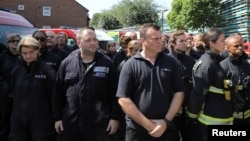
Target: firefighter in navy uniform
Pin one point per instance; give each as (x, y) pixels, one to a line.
(178, 46)
(208, 104)
(239, 69)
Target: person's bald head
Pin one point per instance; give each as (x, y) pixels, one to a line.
(234, 36)
(50, 33)
(234, 45)
(51, 39)
(133, 35)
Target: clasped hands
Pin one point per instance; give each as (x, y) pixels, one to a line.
(160, 127)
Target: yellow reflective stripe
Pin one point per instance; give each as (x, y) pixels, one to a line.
(191, 115)
(215, 90)
(239, 115)
(239, 87)
(208, 120)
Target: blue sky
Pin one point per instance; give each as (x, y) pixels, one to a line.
(95, 6)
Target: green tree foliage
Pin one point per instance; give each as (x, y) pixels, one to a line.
(110, 22)
(128, 13)
(136, 12)
(194, 14)
(105, 21)
(95, 21)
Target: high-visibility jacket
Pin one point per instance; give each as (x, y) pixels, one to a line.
(207, 101)
(240, 70)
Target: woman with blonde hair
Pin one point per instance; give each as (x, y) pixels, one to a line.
(133, 47)
(32, 85)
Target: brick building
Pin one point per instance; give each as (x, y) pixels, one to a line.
(50, 13)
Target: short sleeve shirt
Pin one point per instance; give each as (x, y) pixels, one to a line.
(150, 87)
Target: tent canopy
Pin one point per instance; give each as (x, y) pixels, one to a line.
(102, 36)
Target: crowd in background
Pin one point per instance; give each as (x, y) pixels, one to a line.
(153, 88)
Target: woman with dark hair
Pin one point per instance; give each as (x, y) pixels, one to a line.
(46, 56)
(209, 101)
(122, 53)
(111, 49)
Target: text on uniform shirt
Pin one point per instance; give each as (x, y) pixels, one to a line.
(51, 63)
(40, 76)
(101, 71)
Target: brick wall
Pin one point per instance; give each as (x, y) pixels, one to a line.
(63, 12)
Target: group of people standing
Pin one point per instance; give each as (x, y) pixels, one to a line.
(140, 93)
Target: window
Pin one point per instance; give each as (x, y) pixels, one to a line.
(46, 11)
(20, 7)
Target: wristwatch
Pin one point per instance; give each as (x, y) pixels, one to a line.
(168, 122)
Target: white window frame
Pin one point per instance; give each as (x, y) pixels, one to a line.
(20, 7)
(46, 11)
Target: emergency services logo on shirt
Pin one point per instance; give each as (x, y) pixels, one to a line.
(51, 63)
(101, 71)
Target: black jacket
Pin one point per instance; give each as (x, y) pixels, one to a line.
(7, 62)
(50, 59)
(239, 69)
(85, 97)
(207, 72)
(186, 64)
(32, 88)
(119, 57)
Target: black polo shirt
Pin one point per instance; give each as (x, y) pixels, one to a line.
(150, 87)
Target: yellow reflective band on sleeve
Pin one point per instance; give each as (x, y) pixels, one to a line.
(215, 90)
(208, 120)
(239, 115)
(239, 87)
(191, 115)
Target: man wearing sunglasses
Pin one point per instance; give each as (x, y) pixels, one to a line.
(8, 60)
(46, 56)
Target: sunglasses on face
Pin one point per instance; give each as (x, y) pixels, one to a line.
(14, 41)
(42, 39)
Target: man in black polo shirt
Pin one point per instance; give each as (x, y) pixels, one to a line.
(150, 90)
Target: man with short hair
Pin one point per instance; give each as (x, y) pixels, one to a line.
(51, 45)
(150, 90)
(85, 106)
(238, 70)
